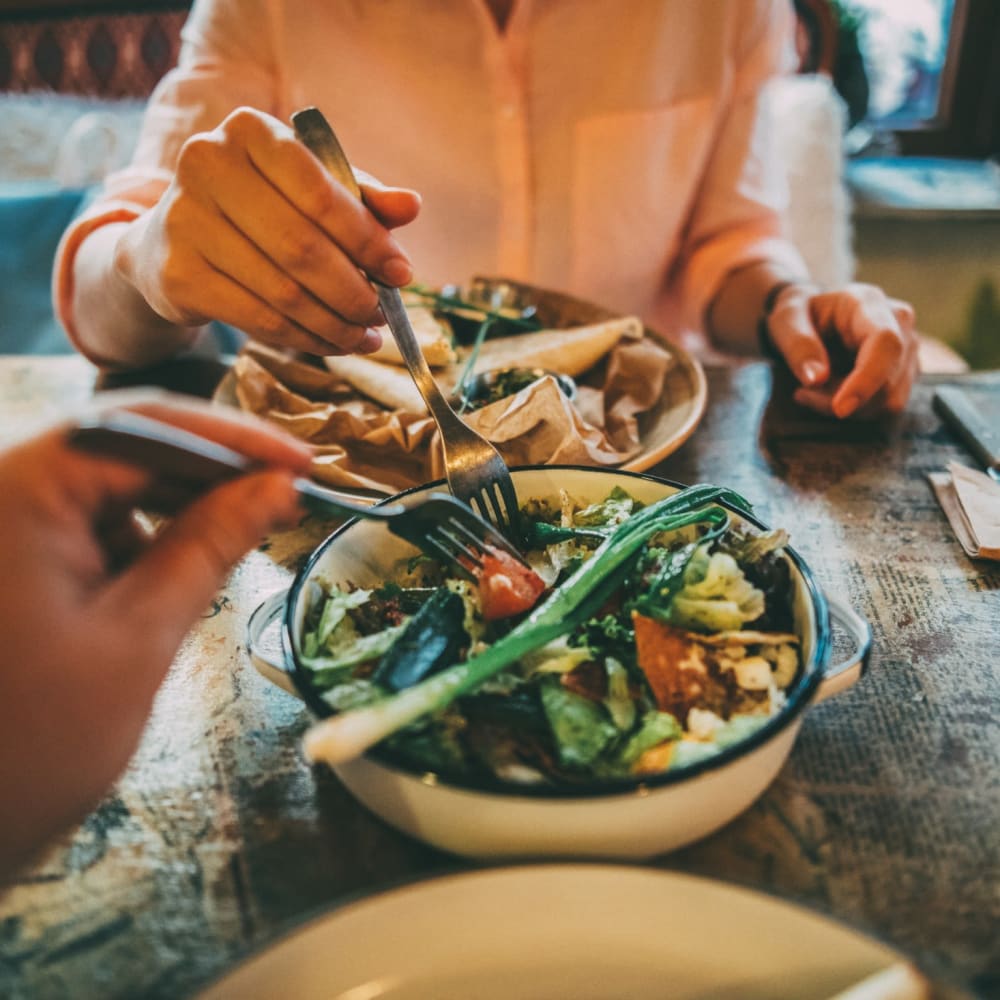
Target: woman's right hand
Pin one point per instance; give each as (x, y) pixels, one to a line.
(254, 232)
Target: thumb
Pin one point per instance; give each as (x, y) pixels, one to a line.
(796, 338)
(392, 206)
(171, 584)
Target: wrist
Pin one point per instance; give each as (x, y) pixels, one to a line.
(764, 341)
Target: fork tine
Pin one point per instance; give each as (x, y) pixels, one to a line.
(470, 538)
(444, 527)
(459, 547)
(450, 552)
(508, 513)
(490, 501)
(483, 534)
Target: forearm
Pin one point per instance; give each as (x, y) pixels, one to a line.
(733, 315)
(112, 320)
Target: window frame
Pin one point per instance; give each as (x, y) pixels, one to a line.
(967, 123)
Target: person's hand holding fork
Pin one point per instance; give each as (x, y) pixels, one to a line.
(93, 607)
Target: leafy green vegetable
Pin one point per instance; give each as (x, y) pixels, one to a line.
(715, 596)
(619, 701)
(747, 548)
(335, 645)
(329, 668)
(656, 728)
(352, 694)
(581, 727)
(660, 576)
(433, 745)
(611, 511)
(610, 635)
(338, 603)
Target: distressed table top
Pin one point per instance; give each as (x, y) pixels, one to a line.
(219, 836)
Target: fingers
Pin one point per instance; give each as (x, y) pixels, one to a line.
(297, 246)
(795, 337)
(162, 593)
(878, 334)
(867, 323)
(70, 487)
(281, 160)
(236, 429)
(238, 260)
(238, 306)
(254, 232)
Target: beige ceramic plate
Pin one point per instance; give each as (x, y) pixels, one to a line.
(662, 430)
(587, 932)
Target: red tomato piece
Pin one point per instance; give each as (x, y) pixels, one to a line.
(506, 586)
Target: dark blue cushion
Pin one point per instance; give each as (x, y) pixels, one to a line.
(33, 217)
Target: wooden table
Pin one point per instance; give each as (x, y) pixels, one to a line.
(219, 836)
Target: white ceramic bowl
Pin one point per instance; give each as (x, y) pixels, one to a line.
(631, 819)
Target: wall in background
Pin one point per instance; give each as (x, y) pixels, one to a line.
(91, 50)
(948, 268)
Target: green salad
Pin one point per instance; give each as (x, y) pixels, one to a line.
(642, 638)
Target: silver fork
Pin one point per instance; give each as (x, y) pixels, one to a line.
(475, 471)
(439, 525)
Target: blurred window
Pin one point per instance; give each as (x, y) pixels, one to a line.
(932, 72)
(905, 43)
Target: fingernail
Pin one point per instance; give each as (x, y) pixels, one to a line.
(813, 372)
(397, 271)
(370, 342)
(846, 406)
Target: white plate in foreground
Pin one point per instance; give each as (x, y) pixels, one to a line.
(570, 931)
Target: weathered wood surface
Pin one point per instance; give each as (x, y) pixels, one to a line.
(219, 836)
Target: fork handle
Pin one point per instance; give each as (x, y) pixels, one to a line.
(399, 323)
(191, 464)
(318, 137)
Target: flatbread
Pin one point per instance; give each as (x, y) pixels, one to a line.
(572, 351)
(433, 336)
(387, 384)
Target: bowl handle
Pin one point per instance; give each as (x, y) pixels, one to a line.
(840, 676)
(262, 618)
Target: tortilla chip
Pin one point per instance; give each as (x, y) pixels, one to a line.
(433, 336)
(674, 665)
(572, 351)
(389, 385)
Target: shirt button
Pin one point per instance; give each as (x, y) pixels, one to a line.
(508, 110)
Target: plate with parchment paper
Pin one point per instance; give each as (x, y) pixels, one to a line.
(662, 429)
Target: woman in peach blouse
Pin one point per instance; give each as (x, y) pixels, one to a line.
(611, 151)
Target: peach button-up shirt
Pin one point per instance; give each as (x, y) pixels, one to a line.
(610, 150)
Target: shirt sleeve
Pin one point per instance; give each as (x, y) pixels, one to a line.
(226, 61)
(738, 215)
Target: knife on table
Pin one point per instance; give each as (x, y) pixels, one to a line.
(977, 428)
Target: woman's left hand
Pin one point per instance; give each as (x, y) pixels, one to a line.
(877, 333)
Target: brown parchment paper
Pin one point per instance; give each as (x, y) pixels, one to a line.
(359, 441)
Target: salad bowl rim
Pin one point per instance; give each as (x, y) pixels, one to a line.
(799, 698)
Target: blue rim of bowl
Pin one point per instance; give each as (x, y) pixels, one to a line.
(798, 699)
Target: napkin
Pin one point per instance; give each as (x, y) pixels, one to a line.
(971, 500)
